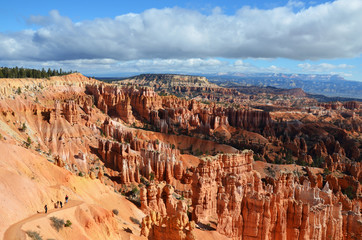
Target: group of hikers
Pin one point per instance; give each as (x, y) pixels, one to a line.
(57, 204)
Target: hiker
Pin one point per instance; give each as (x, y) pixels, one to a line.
(61, 204)
(46, 208)
(66, 198)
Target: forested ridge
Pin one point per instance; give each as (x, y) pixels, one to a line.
(21, 72)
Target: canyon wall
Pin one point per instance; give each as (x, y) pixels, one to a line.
(170, 114)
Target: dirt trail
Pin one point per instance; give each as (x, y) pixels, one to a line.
(14, 231)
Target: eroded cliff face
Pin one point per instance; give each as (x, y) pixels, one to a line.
(171, 114)
(174, 226)
(214, 173)
(137, 157)
(240, 127)
(228, 191)
(225, 188)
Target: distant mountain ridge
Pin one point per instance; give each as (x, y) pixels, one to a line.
(325, 84)
(324, 87)
(163, 80)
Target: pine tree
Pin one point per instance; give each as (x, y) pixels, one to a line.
(43, 73)
(22, 73)
(17, 72)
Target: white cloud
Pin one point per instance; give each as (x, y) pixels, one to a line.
(343, 74)
(111, 66)
(297, 4)
(329, 30)
(275, 69)
(323, 67)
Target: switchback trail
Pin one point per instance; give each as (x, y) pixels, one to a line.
(14, 231)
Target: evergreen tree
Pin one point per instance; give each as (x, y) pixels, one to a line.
(17, 72)
(43, 73)
(22, 73)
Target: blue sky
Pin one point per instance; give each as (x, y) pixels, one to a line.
(116, 38)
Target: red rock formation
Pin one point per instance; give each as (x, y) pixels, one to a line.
(139, 157)
(70, 112)
(122, 100)
(161, 162)
(158, 198)
(281, 209)
(331, 105)
(171, 113)
(213, 172)
(56, 113)
(87, 103)
(120, 157)
(174, 227)
(351, 105)
(124, 110)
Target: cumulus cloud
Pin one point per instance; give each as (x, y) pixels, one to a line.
(329, 30)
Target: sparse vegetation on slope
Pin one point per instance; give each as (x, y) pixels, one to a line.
(57, 223)
(34, 235)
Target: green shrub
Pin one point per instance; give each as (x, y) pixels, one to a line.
(289, 157)
(57, 223)
(143, 180)
(152, 176)
(34, 235)
(135, 191)
(349, 192)
(23, 127)
(68, 223)
(28, 142)
(326, 172)
(317, 162)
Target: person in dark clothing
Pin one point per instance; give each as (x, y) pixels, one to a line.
(46, 208)
(66, 198)
(61, 204)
